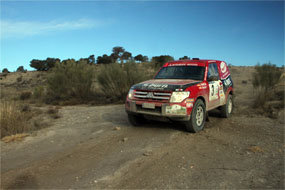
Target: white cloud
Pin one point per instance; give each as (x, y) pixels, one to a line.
(29, 28)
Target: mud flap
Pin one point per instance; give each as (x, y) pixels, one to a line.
(207, 116)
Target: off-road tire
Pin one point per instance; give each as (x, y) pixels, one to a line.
(136, 120)
(227, 109)
(196, 123)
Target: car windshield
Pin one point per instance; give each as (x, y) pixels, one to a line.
(181, 72)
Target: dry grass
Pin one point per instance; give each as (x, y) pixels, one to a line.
(17, 137)
(255, 149)
(12, 119)
(53, 112)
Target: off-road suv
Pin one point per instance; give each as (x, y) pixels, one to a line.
(183, 91)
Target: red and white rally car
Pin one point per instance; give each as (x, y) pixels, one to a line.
(183, 91)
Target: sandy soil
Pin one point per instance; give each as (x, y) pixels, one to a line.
(96, 147)
(84, 149)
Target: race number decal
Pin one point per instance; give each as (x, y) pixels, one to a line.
(214, 90)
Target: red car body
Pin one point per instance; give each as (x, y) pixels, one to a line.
(153, 97)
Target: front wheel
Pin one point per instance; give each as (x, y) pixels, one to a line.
(197, 118)
(227, 109)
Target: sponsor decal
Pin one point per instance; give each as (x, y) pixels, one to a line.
(189, 105)
(189, 100)
(151, 85)
(176, 110)
(163, 86)
(222, 97)
(202, 85)
(224, 70)
(182, 64)
(227, 82)
(223, 67)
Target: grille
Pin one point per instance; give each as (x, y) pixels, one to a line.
(152, 95)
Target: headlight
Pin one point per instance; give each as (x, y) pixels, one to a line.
(179, 96)
(131, 94)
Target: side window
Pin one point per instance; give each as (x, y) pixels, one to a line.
(213, 70)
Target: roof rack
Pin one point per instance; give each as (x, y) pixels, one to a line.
(195, 59)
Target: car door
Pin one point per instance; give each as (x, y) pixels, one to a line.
(214, 83)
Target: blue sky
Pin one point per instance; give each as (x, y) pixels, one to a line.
(240, 33)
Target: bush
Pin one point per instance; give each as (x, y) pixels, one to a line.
(38, 92)
(25, 95)
(19, 79)
(70, 81)
(12, 120)
(44, 65)
(159, 61)
(21, 69)
(5, 70)
(265, 78)
(116, 81)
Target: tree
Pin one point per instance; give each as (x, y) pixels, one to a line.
(91, 59)
(159, 61)
(21, 69)
(126, 55)
(50, 62)
(118, 52)
(139, 58)
(5, 70)
(44, 65)
(145, 59)
(184, 57)
(37, 64)
(105, 59)
(68, 61)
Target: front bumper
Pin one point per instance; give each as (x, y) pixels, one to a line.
(171, 111)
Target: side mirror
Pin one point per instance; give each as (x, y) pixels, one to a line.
(213, 78)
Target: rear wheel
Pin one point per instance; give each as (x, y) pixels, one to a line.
(227, 109)
(197, 118)
(136, 120)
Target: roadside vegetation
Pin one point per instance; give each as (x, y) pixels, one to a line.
(268, 88)
(27, 97)
(115, 81)
(13, 120)
(69, 81)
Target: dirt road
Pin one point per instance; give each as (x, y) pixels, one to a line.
(95, 147)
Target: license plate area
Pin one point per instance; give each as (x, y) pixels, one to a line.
(148, 105)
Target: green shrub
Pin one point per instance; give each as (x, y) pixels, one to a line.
(25, 95)
(38, 92)
(70, 81)
(115, 81)
(21, 69)
(265, 78)
(159, 61)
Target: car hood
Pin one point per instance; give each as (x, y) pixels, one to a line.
(165, 84)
